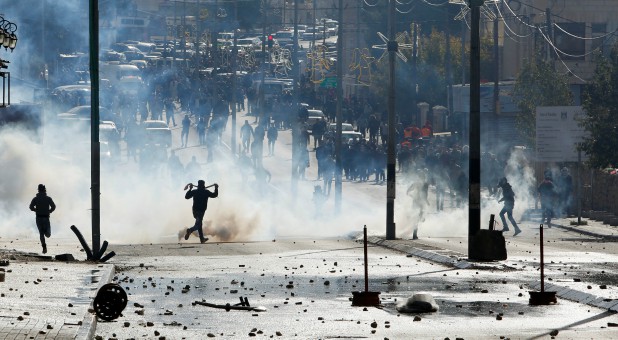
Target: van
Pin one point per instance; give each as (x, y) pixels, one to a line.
(126, 77)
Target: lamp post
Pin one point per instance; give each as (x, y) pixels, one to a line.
(8, 39)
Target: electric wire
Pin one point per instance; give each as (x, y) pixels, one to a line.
(556, 50)
(507, 25)
(435, 5)
(583, 38)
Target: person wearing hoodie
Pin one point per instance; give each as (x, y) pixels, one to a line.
(43, 206)
(508, 197)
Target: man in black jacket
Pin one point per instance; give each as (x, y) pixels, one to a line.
(43, 206)
(200, 202)
(508, 197)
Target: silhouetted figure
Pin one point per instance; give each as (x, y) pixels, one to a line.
(547, 193)
(508, 197)
(200, 203)
(43, 206)
(272, 135)
(246, 132)
(184, 136)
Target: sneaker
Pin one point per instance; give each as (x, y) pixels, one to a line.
(204, 240)
(44, 249)
(187, 234)
(505, 229)
(517, 232)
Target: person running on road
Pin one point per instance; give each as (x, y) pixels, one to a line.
(508, 197)
(200, 203)
(43, 206)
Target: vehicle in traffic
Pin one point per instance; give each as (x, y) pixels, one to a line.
(332, 127)
(350, 137)
(314, 117)
(157, 132)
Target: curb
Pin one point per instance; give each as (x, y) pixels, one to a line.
(89, 322)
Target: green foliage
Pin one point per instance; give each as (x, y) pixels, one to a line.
(601, 105)
(538, 84)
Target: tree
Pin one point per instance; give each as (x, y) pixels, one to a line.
(538, 84)
(601, 105)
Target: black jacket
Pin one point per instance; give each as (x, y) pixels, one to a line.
(200, 197)
(42, 205)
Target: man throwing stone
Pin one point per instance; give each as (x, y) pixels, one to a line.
(200, 202)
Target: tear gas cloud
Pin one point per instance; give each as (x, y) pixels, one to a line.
(141, 206)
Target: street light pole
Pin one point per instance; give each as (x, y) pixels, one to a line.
(390, 167)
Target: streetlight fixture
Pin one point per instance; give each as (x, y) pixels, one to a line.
(8, 38)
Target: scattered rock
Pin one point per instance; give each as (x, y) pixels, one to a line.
(417, 318)
(374, 325)
(554, 332)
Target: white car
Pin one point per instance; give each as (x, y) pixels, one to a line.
(157, 132)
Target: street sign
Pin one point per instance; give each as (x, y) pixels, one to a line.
(558, 133)
(329, 82)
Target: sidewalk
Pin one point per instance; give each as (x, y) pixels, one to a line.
(43, 298)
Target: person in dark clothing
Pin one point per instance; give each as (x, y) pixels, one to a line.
(200, 203)
(272, 135)
(564, 190)
(184, 135)
(508, 197)
(547, 192)
(43, 206)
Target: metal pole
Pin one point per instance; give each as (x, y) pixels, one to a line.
(95, 162)
(390, 168)
(364, 249)
(234, 82)
(474, 167)
(542, 261)
(579, 188)
(338, 162)
(295, 106)
(198, 34)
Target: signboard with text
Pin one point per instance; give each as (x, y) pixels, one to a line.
(558, 133)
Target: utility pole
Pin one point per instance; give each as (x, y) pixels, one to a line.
(449, 65)
(95, 145)
(198, 34)
(415, 73)
(390, 167)
(474, 168)
(295, 106)
(549, 33)
(234, 81)
(496, 65)
(175, 33)
(339, 115)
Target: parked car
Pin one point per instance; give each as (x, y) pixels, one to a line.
(157, 132)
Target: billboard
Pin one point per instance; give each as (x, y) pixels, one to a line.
(558, 133)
